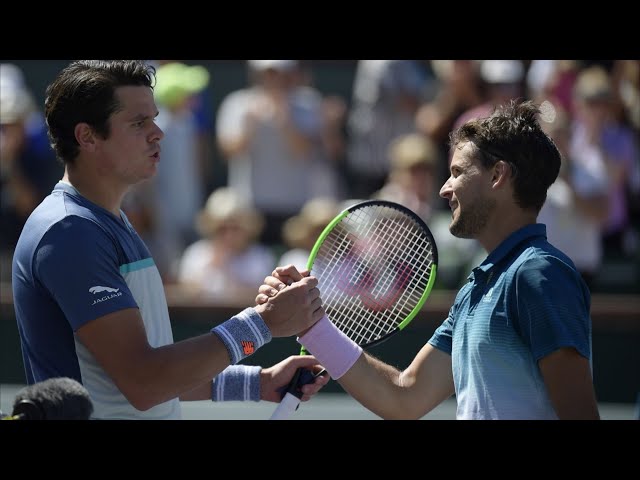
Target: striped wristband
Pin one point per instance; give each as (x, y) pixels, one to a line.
(243, 334)
(237, 383)
(333, 349)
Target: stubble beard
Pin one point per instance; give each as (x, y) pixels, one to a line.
(473, 219)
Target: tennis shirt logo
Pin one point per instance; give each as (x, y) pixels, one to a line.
(98, 289)
(113, 292)
(487, 297)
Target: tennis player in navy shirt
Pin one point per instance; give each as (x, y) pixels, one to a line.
(89, 300)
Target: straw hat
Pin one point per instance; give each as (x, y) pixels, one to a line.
(316, 214)
(593, 84)
(411, 150)
(225, 206)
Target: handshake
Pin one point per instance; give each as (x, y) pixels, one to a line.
(293, 299)
(289, 302)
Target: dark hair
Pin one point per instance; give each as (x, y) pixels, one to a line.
(512, 134)
(84, 91)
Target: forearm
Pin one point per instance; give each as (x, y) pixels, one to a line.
(186, 367)
(201, 392)
(378, 387)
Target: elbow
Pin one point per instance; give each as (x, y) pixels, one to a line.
(141, 395)
(407, 411)
(401, 416)
(142, 404)
(139, 399)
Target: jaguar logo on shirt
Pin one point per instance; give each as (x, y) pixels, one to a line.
(99, 288)
(112, 293)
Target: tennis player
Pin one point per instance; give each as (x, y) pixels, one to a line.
(517, 341)
(89, 300)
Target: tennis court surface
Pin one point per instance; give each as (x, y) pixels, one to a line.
(324, 406)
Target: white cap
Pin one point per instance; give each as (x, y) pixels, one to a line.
(16, 102)
(502, 71)
(282, 65)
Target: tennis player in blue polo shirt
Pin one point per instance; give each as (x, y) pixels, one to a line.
(89, 300)
(517, 341)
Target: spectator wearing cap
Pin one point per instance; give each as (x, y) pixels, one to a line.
(227, 263)
(271, 135)
(301, 231)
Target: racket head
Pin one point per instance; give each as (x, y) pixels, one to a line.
(376, 263)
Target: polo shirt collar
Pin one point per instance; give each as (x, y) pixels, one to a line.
(510, 243)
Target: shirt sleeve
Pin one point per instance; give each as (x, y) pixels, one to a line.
(78, 263)
(442, 338)
(552, 306)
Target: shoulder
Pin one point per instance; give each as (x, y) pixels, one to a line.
(542, 257)
(57, 219)
(546, 271)
(77, 229)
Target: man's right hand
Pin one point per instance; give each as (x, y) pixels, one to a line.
(295, 307)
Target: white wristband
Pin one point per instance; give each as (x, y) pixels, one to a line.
(237, 383)
(333, 349)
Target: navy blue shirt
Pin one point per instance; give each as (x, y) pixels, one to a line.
(74, 262)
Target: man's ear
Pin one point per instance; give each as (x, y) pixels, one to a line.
(85, 136)
(501, 173)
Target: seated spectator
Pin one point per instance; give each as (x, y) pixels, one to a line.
(227, 264)
(301, 231)
(411, 182)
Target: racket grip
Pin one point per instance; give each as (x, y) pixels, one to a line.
(292, 391)
(286, 407)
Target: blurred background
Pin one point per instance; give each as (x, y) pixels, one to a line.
(258, 155)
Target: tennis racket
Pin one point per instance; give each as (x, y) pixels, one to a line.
(376, 264)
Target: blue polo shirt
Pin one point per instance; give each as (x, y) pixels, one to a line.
(525, 301)
(75, 262)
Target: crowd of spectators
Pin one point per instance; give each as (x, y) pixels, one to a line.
(294, 154)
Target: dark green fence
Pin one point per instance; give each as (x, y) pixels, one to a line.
(616, 340)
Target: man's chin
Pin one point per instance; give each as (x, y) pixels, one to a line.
(458, 232)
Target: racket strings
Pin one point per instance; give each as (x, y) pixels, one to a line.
(374, 267)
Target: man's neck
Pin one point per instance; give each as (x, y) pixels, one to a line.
(95, 189)
(504, 225)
